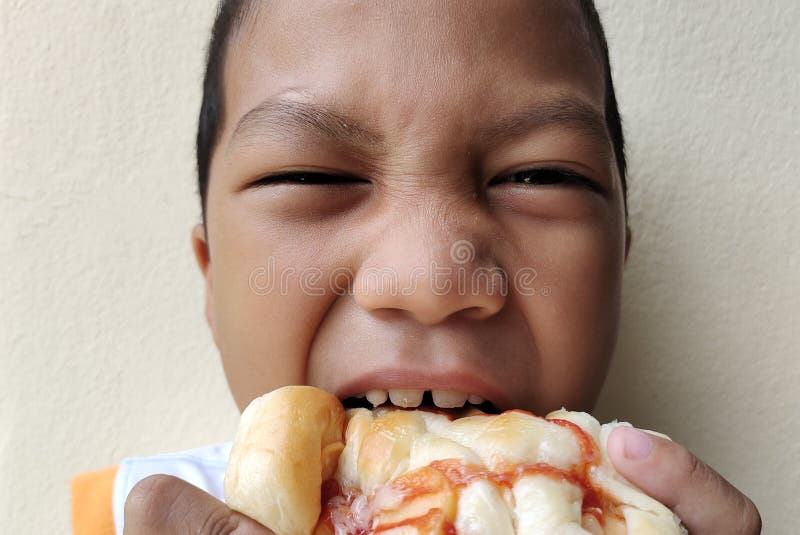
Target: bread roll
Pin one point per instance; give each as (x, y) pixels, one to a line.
(301, 465)
(287, 444)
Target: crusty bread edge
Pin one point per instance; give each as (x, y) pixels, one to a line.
(288, 442)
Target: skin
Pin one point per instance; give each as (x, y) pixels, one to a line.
(419, 100)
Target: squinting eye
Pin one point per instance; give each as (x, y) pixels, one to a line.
(548, 176)
(308, 178)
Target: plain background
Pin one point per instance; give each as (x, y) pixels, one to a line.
(104, 347)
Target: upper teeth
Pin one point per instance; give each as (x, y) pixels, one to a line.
(448, 399)
(406, 397)
(377, 397)
(475, 399)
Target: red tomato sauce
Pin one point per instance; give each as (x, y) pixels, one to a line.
(337, 503)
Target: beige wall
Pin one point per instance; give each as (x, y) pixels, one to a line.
(103, 346)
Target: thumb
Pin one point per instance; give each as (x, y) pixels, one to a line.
(705, 502)
(166, 505)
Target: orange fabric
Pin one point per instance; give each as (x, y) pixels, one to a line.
(92, 508)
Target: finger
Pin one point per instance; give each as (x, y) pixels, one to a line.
(166, 505)
(705, 502)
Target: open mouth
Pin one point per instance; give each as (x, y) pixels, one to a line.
(444, 401)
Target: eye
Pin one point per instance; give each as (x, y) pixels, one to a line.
(311, 178)
(548, 176)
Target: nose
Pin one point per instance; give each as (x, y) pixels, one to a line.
(431, 273)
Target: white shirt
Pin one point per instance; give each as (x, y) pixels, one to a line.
(202, 467)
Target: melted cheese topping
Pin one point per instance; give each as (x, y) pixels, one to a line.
(419, 472)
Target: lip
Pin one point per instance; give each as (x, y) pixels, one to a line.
(395, 378)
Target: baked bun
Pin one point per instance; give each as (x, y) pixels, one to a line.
(302, 465)
(288, 443)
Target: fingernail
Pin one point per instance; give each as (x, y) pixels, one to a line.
(638, 444)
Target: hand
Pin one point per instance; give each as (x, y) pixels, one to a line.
(705, 502)
(166, 505)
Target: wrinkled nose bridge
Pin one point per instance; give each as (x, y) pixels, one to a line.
(432, 265)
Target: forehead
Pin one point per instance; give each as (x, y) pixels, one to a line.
(399, 66)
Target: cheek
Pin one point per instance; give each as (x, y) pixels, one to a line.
(573, 314)
(265, 306)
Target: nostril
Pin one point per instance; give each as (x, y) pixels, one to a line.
(480, 312)
(476, 313)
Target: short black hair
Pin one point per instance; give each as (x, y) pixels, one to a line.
(229, 18)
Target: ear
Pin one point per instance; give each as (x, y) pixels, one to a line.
(203, 258)
(628, 240)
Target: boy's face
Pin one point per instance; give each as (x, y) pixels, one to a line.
(448, 259)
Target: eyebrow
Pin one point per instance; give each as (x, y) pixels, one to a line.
(277, 117)
(564, 111)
